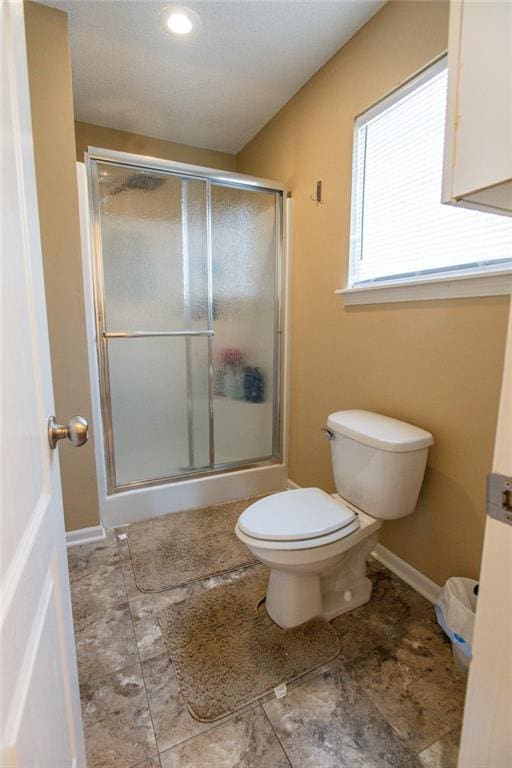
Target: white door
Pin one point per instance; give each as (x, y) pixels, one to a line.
(487, 731)
(40, 709)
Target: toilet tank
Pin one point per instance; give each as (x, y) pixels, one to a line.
(378, 462)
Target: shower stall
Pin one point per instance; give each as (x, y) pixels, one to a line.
(186, 271)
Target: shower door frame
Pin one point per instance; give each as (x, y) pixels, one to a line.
(184, 172)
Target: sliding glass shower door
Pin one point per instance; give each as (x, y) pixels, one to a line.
(245, 291)
(187, 311)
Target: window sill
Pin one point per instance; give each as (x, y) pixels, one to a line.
(440, 287)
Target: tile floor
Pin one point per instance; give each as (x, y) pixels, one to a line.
(392, 699)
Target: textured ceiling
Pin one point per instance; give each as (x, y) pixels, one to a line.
(214, 89)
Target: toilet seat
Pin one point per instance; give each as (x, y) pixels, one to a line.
(299, 519)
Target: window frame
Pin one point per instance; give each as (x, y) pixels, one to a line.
(455, 282)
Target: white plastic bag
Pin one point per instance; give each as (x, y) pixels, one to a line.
(455, 611)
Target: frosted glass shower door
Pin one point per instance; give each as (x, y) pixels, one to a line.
(150, 418)
(154, 323)
(187, 279)
(245, 225)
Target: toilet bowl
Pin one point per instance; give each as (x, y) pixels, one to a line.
(317, 545)
(322, 573)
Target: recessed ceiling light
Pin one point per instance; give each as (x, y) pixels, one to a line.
(181, 21)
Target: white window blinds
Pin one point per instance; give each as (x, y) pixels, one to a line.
(400, 230)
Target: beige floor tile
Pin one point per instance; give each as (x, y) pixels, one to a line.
(117, 723)
(172, 721)
(105, 642)
(152, 762)
(395, 612)
(97, 589)
(86, 557)
(246, 741)
(443, 753)
(417, 692)
(331, 666)
(132, 591)
(386, 615)
(392, 648)
(146, 609)
(329, 722)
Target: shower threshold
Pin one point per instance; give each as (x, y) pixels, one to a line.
(145, 501)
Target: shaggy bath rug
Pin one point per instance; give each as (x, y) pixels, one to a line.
(227, 652)
(176, 549)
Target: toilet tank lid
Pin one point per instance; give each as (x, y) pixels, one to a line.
(379, 431)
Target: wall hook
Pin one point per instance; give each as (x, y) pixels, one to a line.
(318, 197)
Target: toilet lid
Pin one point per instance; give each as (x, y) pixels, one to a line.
(304, 513)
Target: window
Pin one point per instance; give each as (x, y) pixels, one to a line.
(401, 233)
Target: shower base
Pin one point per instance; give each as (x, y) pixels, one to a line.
(144, 503)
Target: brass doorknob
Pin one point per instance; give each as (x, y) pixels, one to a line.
(76, 430)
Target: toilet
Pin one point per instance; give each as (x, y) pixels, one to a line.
(316, 545)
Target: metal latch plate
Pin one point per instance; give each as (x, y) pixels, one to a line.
(499, 498)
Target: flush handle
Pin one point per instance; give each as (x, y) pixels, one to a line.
(76, 431)
(328, 433)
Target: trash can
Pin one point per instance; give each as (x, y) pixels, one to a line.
(455, 612)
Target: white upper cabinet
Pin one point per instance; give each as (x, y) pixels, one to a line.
(478, 148)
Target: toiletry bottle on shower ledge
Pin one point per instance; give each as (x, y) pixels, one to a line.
(233, 376)
(233, 382)
(254, 385)
(220, 381)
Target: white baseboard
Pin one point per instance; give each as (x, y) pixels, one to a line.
(85, 535)
(291, 485)
(407, 573)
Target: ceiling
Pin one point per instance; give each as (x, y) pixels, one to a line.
(213, 89)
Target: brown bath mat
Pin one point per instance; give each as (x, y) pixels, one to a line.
(227, 652)
(176, 549)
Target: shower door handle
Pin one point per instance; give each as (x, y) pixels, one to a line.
(150, 334)
(76, 430)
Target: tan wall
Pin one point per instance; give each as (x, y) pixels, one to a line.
(90, 135)
(56, 151)
(436, 364)
(52, 122)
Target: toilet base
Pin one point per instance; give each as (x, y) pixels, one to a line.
(297, 594)
(293, 599)
(336, 603)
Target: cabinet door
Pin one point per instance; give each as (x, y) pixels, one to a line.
(478, 150)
